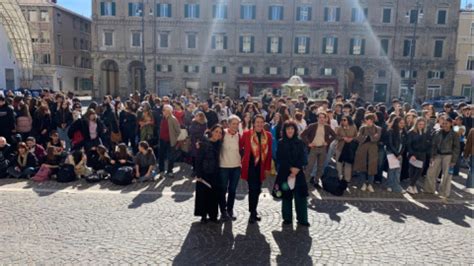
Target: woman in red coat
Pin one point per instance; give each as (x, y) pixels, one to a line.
(256, 161)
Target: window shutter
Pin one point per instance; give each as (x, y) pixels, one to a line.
(224, 70)
(225, 42)
(102, 8)
(213, 42)
(415, 73)
(267, 70)
(324, 45)
(241, 12)
(402, 73)
(198, 10)
(441, 75)
(241, 44)
(158, 68)
(269, 45)
(158, 10)
(362, 49)
(225, 11)
(338, 14)
(281, 12)
(326, 14)
(254, 11)
(252, 44)
(170, 68)
(186, 69)
(335, 46)
(308, 40)
(309, 13)
(306, 71)
(279, 70)
(130, 9)
(280, 45)
(197, 69)
(113, 9)
(351, 47)
(430, 74)
(213, 70)
(252, 70)
(296, 45)
(269, 13)
(186, 11)
(406, 48)
(353, 14)
(214, 11)
(170, 12)
(366, 13)
(298, 14)
(321, 72)
(240, 70)
(140, 5)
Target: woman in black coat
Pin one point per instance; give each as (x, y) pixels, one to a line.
(418, 148)
(207, 175)
(290, 158)
(24, 164)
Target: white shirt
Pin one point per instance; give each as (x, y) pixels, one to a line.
(230, 152)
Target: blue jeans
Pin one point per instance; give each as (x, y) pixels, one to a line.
(393, 180)
(470, 178)
(369, 179)
(25, 173)
(229, 180)
(63, 136)
(331, 151)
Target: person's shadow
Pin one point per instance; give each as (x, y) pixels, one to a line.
(252, 248)
(295, 246)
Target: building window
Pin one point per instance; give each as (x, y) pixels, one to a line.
(191, 11)
(435, 74)
(330, 45)
(136, 39)
(387, 15)
(275, 13)
(472, 28)
(44, 15)
(359, 15)
(107, 8)
(191, 39)
(247, 44)
(408, 48)
(246, 70)
(382, 73)
(60, 39)
(108, 38)
(60, 60)
(163, 10)
(467, 91)
(301, 71)
(332, 14)
(384, 46)
(441, 18)
(46, 59)
(328, 72)
(59, 18)
(191, 69)
(164, 39)
(413, 16)
(438, 48)
(273, 71)
(302, 45)
(303, 13)
(164, 68)
(406, 74)
(248, 12)
(32, 15)
(219, 42)
(218, 70)
(219, 11)
(274, 45)
(470, 63)
(135, 9)
(433, 91)
(357, 46)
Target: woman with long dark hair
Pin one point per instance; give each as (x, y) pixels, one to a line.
(42, 123)
(291, 182)
(63, 120)
(145, 162)
(207, 175)
(24, 164)
(395, 146)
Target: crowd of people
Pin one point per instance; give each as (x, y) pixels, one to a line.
(294, 140)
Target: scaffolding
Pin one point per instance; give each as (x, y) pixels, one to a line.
(18, 33)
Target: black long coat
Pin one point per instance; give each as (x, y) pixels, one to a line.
(290, 153)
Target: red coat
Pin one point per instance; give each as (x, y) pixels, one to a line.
(246, 147)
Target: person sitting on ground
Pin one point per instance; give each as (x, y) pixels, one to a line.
(24, 164)
(79, 160)
(36, 149)
(145, 162)
(120, 158)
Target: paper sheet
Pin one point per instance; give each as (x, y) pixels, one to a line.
(393, 162)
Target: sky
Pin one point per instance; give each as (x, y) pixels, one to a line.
(83, 7)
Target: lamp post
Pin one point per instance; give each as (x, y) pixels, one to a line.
(419, 15)
(142, 80)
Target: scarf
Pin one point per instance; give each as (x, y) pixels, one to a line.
(259, 150)
(22, 160)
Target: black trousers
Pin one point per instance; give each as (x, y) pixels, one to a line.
(165, 153)
(255, 188)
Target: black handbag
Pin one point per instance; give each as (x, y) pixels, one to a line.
(66, 174)
(348, 152)
(123, 176)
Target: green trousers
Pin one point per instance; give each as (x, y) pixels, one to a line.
(301, 206)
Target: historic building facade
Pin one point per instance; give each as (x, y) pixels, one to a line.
(61, 42)
(245, 46)
(464, 81)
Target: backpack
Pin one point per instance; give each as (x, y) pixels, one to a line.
(332, 183)
(123, 176)
(66, 174)
(42, 175)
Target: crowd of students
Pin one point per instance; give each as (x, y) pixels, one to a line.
(226, 140)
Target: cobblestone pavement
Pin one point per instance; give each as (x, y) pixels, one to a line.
(152, 223)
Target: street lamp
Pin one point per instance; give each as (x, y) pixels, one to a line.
(142, 78)
(419, 16)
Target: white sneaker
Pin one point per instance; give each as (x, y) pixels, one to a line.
(370, 188)
(411, 190)
(415, 190)
(403, 191)
(389, 189)
(364, 187)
